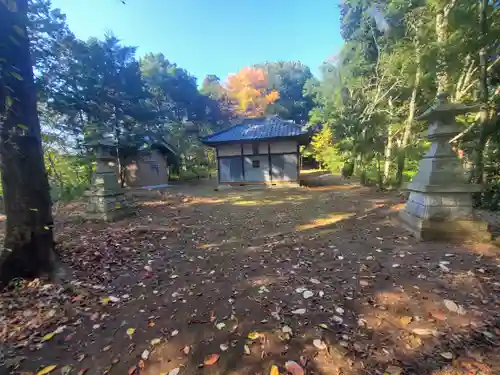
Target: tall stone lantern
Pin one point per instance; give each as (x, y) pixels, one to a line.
(439, 206)
(106, 199)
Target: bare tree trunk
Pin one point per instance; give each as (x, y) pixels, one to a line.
(409, 122)
(29, 243)
(380, 178)
(388, 155)
(483, 93)
(442, 36)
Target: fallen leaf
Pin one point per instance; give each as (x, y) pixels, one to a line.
(453, 307)
(423, 331)
(443, 267)
(224, 347)
(130, 332)
(447, 355)
(337, 319)
(220, 325)
(48, 336)
(303, 361)
(274, 370)
(211, 359)
(105, 300)
(286, 329)
(155, 342)
(307, 294)
(77, 298)
(66, 370)
(174, 371)
(405, 320)
(393, 370)
(299, 311)
(319, 344)
(46, 370)
(294, 368)
(438, 315)
(253, 335)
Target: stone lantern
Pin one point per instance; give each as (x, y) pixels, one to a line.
(439, 206)
(106, 199)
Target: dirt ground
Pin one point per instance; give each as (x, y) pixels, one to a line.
(246, 279)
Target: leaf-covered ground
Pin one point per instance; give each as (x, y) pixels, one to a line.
(251, 282)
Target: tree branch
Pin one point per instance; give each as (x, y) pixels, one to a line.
(448, 7)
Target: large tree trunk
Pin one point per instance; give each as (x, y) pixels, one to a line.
(483, 93)
(29, 244)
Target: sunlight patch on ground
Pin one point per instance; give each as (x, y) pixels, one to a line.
(324, 221)
(257, 202)
(486, 249)
(156, 203)
(261, 199)
(333, 188)
(205, 200)
(309, 171)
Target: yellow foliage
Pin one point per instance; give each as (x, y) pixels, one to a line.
(248, 88)
(321, 142)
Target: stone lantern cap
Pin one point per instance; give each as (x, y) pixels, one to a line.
(443, 108)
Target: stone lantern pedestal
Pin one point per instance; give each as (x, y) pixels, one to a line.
(439, 206)
(106, 199)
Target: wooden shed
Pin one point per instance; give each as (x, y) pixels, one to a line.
(259, 151)
(147, 166)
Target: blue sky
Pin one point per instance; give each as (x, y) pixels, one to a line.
(214, 36)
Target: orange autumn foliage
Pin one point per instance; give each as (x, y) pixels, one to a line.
(248, 89)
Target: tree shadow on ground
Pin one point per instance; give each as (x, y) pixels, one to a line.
(368, 280)
(220, 270)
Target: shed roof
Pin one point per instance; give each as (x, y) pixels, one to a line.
(256, 129)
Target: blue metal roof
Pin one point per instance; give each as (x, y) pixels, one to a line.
(256, 129)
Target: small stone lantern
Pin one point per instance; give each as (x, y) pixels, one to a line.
(440, 203)
(106, 199)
